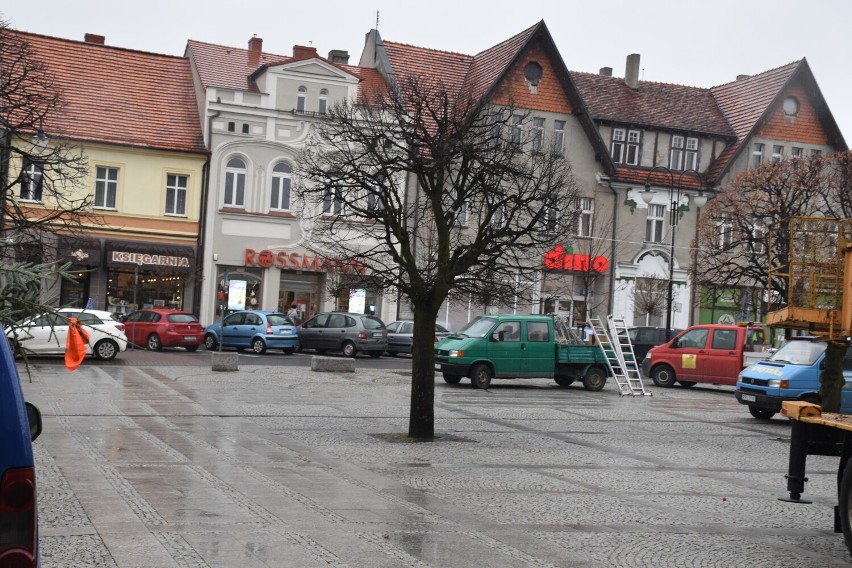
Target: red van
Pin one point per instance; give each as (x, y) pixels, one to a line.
(712, 353)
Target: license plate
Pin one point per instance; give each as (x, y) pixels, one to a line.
(748, 397)
(377, 334)
(190, 338)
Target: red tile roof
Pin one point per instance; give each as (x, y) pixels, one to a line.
(489, 65)
(233, 68)
(657, 105)
(120, 96)
(451, 68)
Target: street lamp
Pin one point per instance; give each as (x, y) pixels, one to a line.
(675, 192)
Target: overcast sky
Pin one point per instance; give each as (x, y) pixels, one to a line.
(701, 43)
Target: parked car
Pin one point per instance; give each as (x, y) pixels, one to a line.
(156, 328)
(20, 423)
(257, 330)
(346, 332)
(46, 334)
(643, 338)
(401, 336)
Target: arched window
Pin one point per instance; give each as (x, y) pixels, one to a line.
(301, 97)
(282, 175)
(235, 183)
(323, 101)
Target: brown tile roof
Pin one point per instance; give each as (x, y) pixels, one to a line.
(451, 68)
(489, 65)
(120, 96)
(224, 67)
(655, 105)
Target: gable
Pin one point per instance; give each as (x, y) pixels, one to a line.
(549, 94)
(805, 126)
(313, 67)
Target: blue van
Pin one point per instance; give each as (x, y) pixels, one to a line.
(791, 373)
(20, 424)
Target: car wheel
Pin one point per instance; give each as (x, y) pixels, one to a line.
(210, 343)
(375, 354)
(106, 349)
(663, 376)
(761, 413)
(289, 350)
(191, 348)
(595, 379)
(452, 379)
(687, 384)
(349, 349)
(154, 343)
(481, 376)
(258, 346)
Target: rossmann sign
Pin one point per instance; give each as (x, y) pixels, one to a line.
(561, 259)
(300, 261)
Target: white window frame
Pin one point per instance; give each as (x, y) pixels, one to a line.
(550, 218)
(559, 136)
(106, 188)
(32, 181)
(758, 234)
(726, 234)
(517, 129)
(676, 153)
(619, 139)
(584, 219)
(690, 157)
(777, 153)
(323, 101)
(281, 186)
(301, 99)
(537, 134)
(634, 138)
(177, 188)
(332, 204)
(797, 152)
(757, 154)
(234, 178)
(655, 223)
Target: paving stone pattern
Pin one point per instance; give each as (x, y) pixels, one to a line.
(177, 466)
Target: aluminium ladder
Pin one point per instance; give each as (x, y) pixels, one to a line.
(624, 369)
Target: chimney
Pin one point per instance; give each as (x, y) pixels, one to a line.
(338, 56)
(255, 48)
(605, 71)
(741, 77)
(94, 38)
(631, 74)
(304, 52)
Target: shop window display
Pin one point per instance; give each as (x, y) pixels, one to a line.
(130, 289)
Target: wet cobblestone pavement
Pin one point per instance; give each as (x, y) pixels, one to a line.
(283, 467)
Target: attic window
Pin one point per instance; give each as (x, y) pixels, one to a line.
(791, 106)
(532, 75)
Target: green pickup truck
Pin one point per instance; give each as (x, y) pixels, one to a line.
(511, 346)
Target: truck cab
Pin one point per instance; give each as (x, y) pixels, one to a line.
(791, 373)
(710, 353)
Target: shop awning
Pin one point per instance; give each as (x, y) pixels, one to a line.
(150, 255)
(80, 251)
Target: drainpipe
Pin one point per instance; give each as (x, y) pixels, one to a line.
(611, 302)
(202, 224)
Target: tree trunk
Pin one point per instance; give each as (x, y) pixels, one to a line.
(421, 422)
(831, 379)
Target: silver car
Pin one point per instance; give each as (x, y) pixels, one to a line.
(346, 332)
(401, 336)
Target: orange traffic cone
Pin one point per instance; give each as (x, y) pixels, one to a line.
(75, 345)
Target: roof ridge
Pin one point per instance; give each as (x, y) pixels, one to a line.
(427, 48)
(514, 37)
(641, 82)
(762, 73)
(96, 45)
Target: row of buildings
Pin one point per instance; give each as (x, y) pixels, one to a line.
(192, 158)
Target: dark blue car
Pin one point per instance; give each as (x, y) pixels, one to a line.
(257, 330)
(20, 423)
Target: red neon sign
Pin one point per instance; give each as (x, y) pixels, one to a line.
(559, 259)
(300, 261)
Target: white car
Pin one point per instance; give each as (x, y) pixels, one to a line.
(46, 334)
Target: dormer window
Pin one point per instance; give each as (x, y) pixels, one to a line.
(301, 98)
(323, 101)
(625, 146)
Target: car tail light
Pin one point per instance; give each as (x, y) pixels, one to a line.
(362, 335)
(18, 536)
(269, 330)
(119, 326)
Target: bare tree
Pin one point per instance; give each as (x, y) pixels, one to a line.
(752, 214)
(650, 296)
(39, 180)
(432, 190)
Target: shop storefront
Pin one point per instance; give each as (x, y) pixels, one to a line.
(85, 258)
(148, 275)
(572, 282)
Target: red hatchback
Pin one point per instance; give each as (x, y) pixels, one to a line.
(156, 328)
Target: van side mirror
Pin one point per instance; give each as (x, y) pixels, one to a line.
(34, 419)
